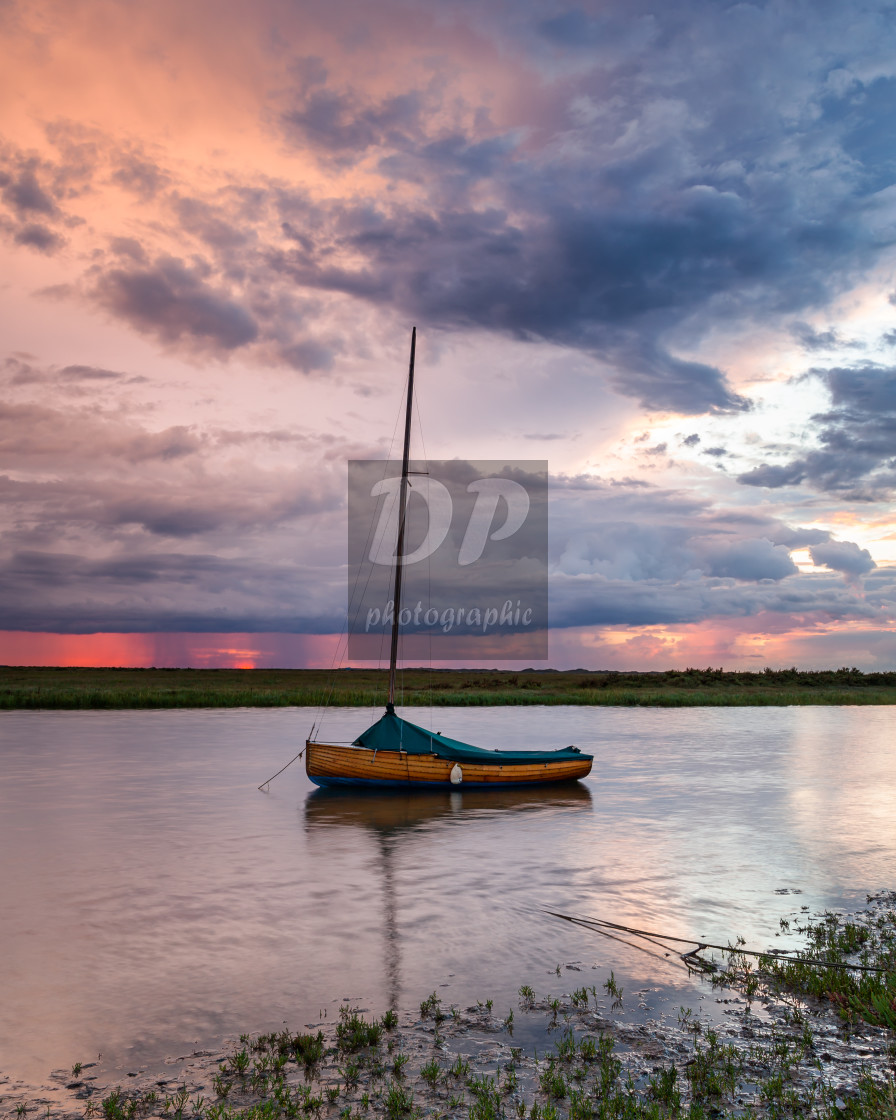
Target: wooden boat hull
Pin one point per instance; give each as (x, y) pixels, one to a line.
(331, 764)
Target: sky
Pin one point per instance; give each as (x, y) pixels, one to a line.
(651, 243)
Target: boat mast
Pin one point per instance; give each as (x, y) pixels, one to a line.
(402, 506)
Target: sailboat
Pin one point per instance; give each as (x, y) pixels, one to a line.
(395, 752)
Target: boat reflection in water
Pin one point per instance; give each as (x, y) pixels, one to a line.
(390, 816)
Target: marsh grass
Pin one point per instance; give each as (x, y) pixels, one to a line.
(856, 995)
(36, 687)
(431, 1072)
(354, 1033)
(398, 1102)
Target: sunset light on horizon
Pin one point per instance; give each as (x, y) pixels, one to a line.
(652, 244)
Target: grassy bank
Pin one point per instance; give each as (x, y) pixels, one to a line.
(268, 688)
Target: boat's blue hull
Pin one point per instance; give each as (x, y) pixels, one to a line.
(377, 783)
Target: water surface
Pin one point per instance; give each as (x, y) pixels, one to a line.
(154, 899)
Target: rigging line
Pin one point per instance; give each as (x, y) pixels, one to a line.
(778, 954)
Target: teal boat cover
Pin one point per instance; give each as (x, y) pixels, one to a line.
(392, 733)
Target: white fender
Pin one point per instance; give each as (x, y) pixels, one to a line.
(456, 775)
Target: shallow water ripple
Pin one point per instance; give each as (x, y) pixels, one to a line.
(154, 899)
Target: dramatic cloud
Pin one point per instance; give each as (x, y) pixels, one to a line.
(632, 202)
(24, 195)
(857, 438)
(842, 556)
(174, 303)
(657, 238)
(156, 592)
(752, 560)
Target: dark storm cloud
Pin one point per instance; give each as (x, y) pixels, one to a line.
(91, 373)
(31, 432)
(111, 526)
(811, 339)
(648, 191)
(140, 176)
(575, 30)
(633, 192)
(343, 125)
(19, 371)
(209, 224)
(157, 507)
(754, 560)
(637, 533)
(71, 593)
(842, 556)
(24, 195)
(635, 557)
(183, 508)
(615, 603)
(857, 438)
(634, 184)
(860, 390)
(629, 550)
(573, 278)
(308, 356)
(27, 195)
(606, 255)
(176, 304)
(39, 237)
(774, 476)
(647, 556)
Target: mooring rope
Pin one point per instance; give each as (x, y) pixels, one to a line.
(599, 925)
(291, 761)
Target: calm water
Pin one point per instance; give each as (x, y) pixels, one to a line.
(153, 898)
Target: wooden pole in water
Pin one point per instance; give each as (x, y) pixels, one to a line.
(402, 507)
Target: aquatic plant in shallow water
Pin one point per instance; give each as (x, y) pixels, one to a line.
(431, 1072)
(354, 1033)
(774, 1067)
(429, 1006)
(398, 1103)
(487, 1102)
(835, 942)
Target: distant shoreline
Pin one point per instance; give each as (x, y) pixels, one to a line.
(23, 688)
